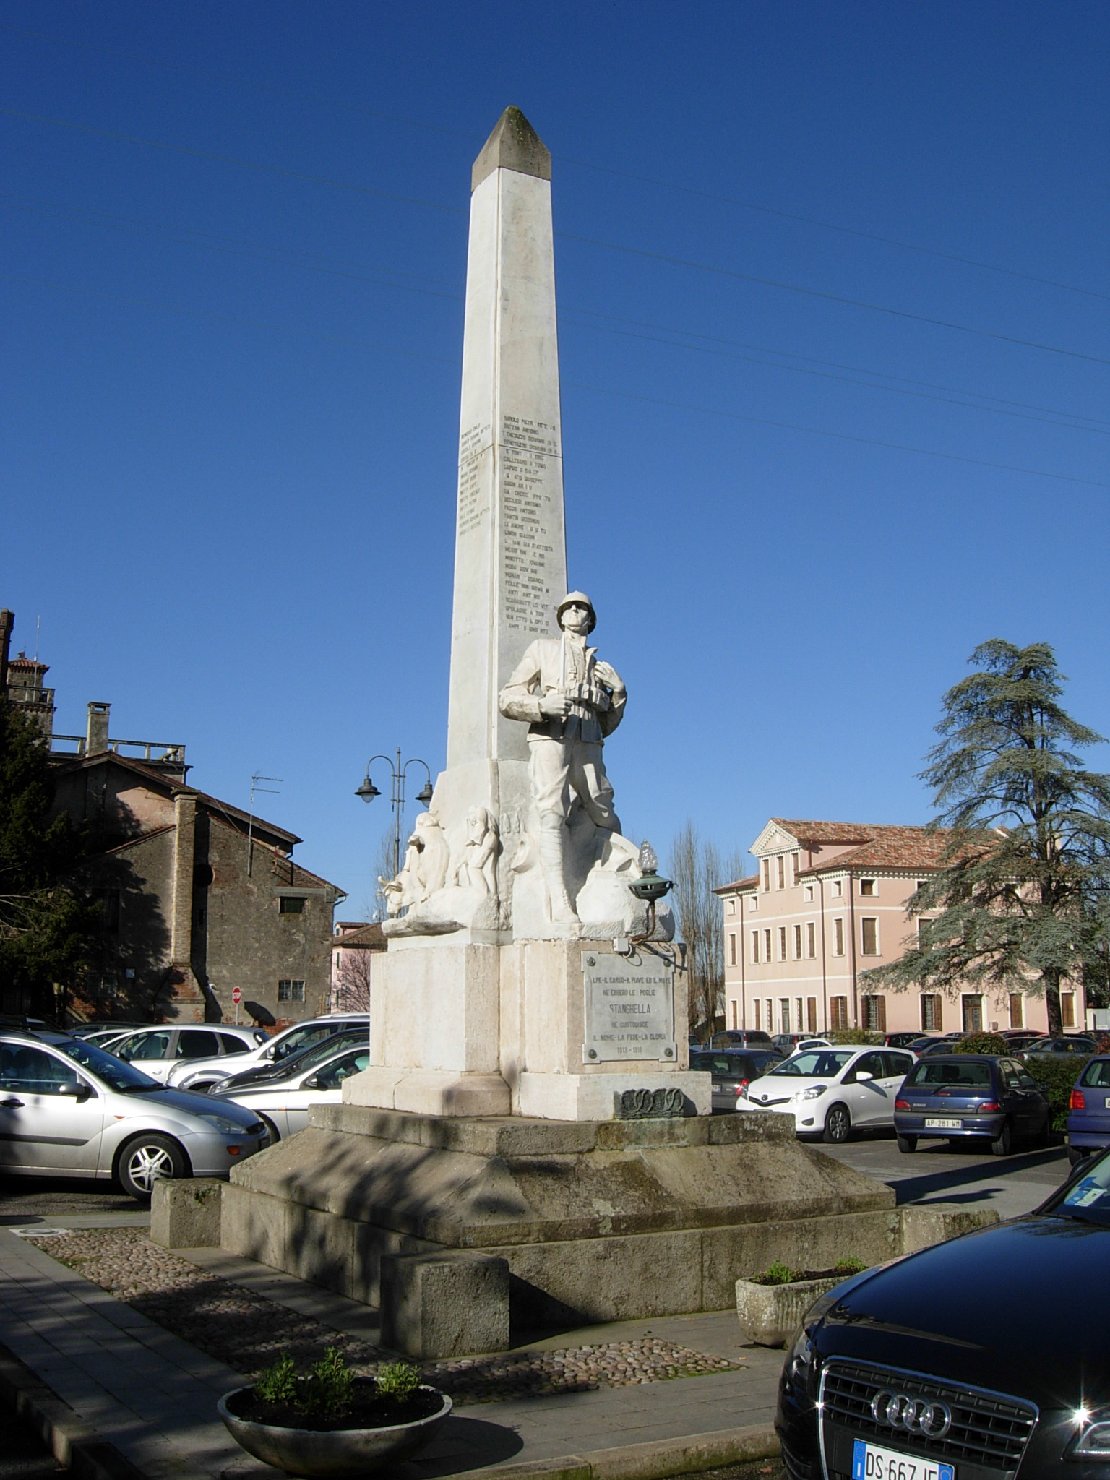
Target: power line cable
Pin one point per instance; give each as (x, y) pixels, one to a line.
(649, 332)
(641, 252)
(789, 426)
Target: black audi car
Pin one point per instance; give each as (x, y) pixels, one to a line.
(985, 1358)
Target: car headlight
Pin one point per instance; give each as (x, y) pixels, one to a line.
(223, 1123)
(814, 1092)
(1093, 1438)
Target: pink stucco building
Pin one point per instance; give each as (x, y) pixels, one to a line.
(828, 903)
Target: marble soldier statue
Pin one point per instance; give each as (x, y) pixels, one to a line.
(571, 701)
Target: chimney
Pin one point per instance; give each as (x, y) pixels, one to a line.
(7, 622)
(96, 730)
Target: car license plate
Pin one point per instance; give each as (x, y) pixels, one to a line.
(872, 1462)
(942, 1123)
(718, 1089)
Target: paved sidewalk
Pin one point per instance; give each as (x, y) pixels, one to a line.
(120, 1397)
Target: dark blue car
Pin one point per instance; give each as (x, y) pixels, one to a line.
(1089, 1110)
(952, 1096)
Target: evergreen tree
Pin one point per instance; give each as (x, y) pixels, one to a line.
(1021, 901)
(46, 925)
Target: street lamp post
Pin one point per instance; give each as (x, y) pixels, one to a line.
(368, 791)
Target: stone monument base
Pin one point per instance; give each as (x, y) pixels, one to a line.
(593, 1221)
(473, 1028)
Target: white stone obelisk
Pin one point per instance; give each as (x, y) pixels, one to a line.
(481, 1007)
(510, 540)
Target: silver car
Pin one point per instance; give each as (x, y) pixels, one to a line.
(159, 1049)
(69, 1108)
(282, 1104)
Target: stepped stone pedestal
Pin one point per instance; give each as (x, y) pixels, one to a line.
(595, 1221)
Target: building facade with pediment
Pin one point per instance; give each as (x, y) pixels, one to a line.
(828, 904)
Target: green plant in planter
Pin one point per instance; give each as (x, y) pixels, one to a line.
(397, 1380)
(321, 1395)
(781, 1274)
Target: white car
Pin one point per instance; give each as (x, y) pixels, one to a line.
(832, 1091)
(203, 1075)
(158, 1050)
(282, 1105)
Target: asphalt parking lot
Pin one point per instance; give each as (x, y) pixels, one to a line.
(938, 1172)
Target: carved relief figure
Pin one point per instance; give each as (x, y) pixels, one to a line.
(424, 870)
(477, 865)
(571, 701)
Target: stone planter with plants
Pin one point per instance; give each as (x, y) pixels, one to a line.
(770, 1306)
(328, 1421)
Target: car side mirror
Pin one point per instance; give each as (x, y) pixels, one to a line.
(863, 1075)
(312, 1082)
(74, 1089)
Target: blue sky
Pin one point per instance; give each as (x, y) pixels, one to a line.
(832, 298)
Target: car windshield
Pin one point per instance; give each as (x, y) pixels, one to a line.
(115, 1073)
(814, 1063)
(307, 1058)
(965, 1074)
(1086, 1196)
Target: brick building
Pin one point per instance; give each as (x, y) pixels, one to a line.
(198, 896)
(829, 903)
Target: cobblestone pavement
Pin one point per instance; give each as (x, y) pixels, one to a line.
(248, 1332)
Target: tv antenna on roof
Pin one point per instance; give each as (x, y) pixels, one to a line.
(256, 777)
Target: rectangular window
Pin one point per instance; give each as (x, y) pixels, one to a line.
(809, 894)
(731, 949)
(766, 945)
(290, 991)
(931, 1019)
(923, 923)
(873, 1012)
(730, 908)
(867, 886)
(765, 871)
(1017, 1010)
(811, 1014)
(755, 1012)
(838, 1013)
(755, 947)
(837, 888)
(869, 935)
(291, 904)
(1067, 1009)
(780, 871)
(973, 1013)
(838, 936)
(782, 942)
(797, 942)
(795, 866)
(784, 1015)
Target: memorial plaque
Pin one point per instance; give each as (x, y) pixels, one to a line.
(629, 1008)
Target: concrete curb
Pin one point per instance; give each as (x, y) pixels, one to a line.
(660, 1459)
(86, 1454)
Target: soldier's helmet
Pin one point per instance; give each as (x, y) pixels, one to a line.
(576, 598)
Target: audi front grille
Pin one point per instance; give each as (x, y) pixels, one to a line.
(980, 1428)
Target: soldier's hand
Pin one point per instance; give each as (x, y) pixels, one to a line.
(555, 705)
